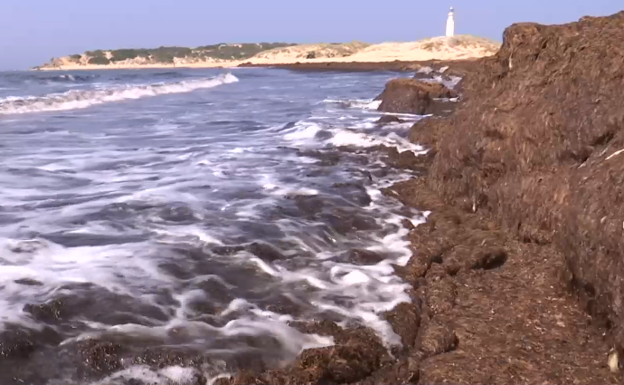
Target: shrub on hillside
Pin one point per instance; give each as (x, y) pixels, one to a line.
(167, 54)
(124, 54)
(99, 60)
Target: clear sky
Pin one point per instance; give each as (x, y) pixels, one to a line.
(33, 31)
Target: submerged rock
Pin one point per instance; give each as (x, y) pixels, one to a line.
(358, 353)
(387, 119)
(417, 97)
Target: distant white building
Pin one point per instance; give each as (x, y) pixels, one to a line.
(450, 23)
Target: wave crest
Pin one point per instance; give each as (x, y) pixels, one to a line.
(76, 99)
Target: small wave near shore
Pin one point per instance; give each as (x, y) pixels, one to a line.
(78, 99)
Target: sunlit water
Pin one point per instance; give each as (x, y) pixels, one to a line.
(195, 209)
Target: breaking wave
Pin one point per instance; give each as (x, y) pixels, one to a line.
(76, 99)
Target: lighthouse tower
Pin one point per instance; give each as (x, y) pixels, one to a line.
(450, 23)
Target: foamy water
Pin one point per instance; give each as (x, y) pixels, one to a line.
(202, 214)
(76, 99)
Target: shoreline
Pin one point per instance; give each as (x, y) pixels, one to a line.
(503, 289)
(458, 67)
(395, 66)
(320, 66)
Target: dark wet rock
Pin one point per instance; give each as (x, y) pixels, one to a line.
(160, 357)
(17, 344)
(49, 312)
(52, 362)
(323, 135)
(327, 158)
(266, 252)
(85, 239)
(345, 221)
(387, 119)
(354, 191)
(357, 354)
(28, 282)
(178, 213)
(318, 172)
(98, 304)
(227, 250)
(99, 358)
(282, 304)
(262, 230)
(360, 257)
(323, 328)
(308, 205)
(176, 270)
(415, 97)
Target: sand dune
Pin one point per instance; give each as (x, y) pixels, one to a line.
(440, 48)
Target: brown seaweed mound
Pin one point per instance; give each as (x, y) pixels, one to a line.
(536, 144)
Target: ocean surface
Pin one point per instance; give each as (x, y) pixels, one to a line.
(192, 211)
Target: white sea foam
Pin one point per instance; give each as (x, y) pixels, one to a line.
(367, 104)
(170, 375)
(77, 99)
(196, 172)
(344, 137)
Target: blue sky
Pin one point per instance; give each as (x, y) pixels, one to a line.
(33, 31)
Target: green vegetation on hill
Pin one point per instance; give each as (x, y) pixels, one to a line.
(97, 57)
(168, 54)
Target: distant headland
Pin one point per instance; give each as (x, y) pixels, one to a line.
(232, 55)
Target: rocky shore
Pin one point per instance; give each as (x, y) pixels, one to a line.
(517, 275)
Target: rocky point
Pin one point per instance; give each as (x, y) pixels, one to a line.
(525, 184)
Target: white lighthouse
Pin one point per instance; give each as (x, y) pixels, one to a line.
(450, 23)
